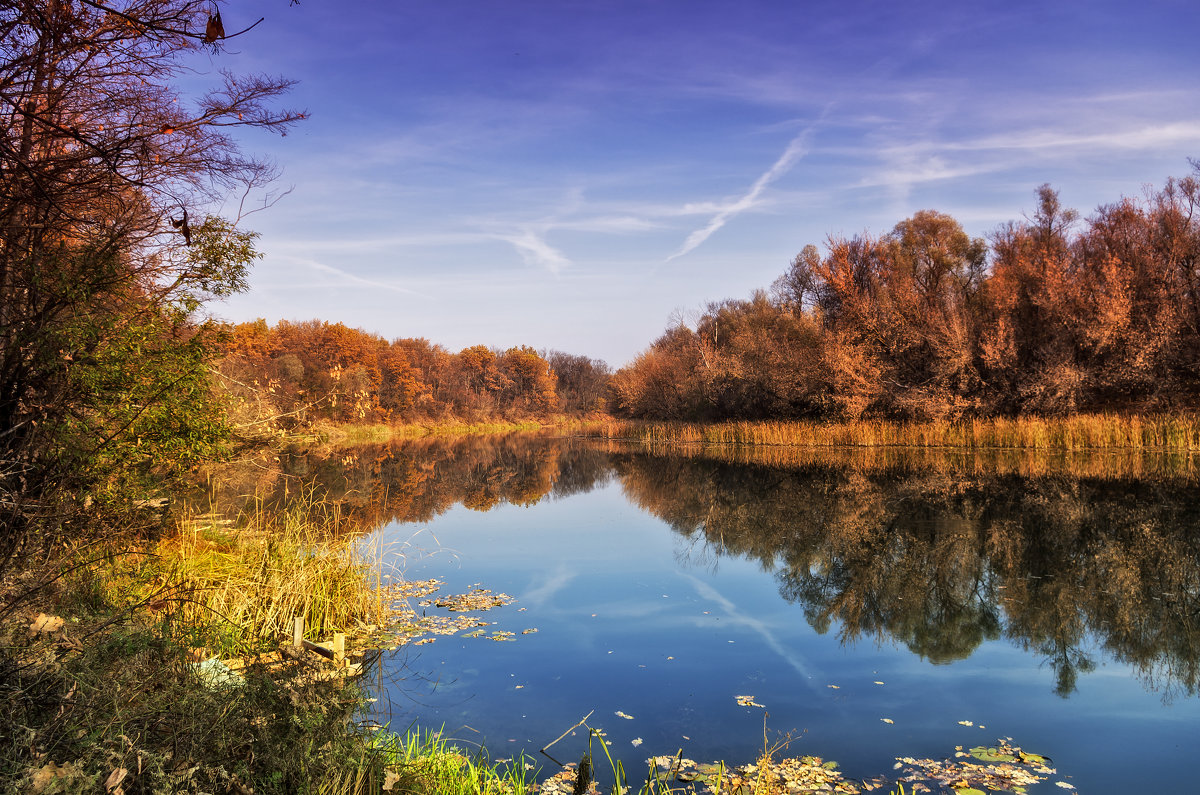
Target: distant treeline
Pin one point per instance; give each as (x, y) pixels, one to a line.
(1052, 316)
(317, 371)
(1056, 316)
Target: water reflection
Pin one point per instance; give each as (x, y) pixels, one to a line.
(1072, 560)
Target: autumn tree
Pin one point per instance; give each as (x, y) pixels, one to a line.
(1028, 341)
(531, 387)
(661, 382)
(925, 322)
(582, 382)
(107, 252)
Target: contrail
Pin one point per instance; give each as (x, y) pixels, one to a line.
(795, 150)
(350, 278)
(756, 625)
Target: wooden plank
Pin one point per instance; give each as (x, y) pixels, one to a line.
(318, 648)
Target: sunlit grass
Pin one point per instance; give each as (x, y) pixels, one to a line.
(245, 582)
(422, 762)
(1176, 432)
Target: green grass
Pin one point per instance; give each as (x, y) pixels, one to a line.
(422, 762)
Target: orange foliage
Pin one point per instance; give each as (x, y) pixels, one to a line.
(926, 323)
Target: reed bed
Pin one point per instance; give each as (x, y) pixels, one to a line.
(244, 582)
(1174, 433)
(374, 434)
(1120, 464)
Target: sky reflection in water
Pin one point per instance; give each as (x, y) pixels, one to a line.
(1050, 608)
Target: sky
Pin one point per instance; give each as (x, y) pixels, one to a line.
(576, 175)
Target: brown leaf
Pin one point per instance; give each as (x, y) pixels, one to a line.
(45, 624)
(112, 784)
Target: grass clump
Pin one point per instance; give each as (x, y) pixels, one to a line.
(422, 762)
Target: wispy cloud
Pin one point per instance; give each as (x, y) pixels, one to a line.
(795, 150)
(1143, 137)
(349, 279)
(547, 586)
(533, 248)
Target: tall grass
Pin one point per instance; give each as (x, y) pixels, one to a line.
(348, 435)
(1173, 432)
(246, 582)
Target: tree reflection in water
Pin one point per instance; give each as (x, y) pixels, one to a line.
(1068, 559)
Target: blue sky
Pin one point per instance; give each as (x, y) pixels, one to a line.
(571, 174)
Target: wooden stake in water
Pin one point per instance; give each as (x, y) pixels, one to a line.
(298, 632)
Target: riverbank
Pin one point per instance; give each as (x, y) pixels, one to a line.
(155, 667)
(355, 434)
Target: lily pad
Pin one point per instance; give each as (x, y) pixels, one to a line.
(986, 754)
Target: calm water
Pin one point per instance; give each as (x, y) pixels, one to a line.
(1053, 602)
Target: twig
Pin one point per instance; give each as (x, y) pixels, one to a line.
(582, 721)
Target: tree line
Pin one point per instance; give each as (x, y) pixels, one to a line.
(1053, 315)
(313, 370)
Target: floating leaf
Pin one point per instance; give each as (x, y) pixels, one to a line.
(985, 754)
(621, 714)
(887, 720)
(746, 701)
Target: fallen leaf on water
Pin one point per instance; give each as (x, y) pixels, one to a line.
(965, 723)
(887, 720)
(621, 714)
(834, 687)
(746, 701)
(878, 682)
(635, 742)
(1064, 785)
(529, 631)
(478, 599)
